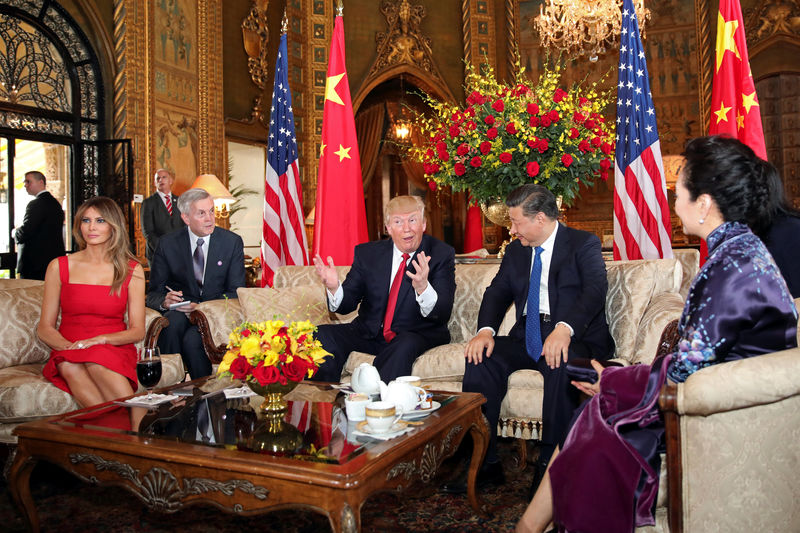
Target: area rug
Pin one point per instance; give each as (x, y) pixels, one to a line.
(66, 504)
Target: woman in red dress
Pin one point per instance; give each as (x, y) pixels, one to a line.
(93, 356)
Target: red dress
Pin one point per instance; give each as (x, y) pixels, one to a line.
(88, 311)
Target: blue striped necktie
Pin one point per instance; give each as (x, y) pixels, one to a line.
(533, 330)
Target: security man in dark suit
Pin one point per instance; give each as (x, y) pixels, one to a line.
(403, 288)
(41, 236)
(556, 278)
(160, 212)
(196, 264)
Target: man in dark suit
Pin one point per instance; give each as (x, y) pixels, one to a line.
(191, 265)
(565, 271)
(160, 212)
(41, 236)
(397, 321)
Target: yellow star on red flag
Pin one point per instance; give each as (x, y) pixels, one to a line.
(722, 113)
(726, 32)
(343, 153)
(749, 100)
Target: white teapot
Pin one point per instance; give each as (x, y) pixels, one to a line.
(404, 395)
(366, 379)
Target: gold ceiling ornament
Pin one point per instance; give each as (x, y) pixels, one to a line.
(255, 35)
(403, 42)
(584, 27)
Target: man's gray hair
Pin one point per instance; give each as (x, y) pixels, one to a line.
(191, 196)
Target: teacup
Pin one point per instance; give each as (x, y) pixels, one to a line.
(354, 405)
(381, 416)
(414, 381)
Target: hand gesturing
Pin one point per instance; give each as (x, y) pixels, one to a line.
(327, 273)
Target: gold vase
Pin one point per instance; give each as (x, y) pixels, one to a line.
(497, 213)
(272, 435)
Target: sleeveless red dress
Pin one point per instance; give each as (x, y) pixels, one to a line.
(87, 311)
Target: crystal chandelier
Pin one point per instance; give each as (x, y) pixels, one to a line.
(584, 27)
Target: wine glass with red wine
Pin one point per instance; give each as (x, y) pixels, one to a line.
(148, 369)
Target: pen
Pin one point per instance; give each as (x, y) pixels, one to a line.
(170, 289)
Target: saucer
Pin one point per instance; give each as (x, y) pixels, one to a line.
(421, 413)
(398, 426)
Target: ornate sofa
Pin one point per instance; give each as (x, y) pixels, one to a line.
(24, 393)
(643, 298)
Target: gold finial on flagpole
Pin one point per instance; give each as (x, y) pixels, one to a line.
(339, 8)
(284, 22)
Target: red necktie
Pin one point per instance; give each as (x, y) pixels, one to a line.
(169, 204)
(388, 334)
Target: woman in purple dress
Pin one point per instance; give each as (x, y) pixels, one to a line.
(605, 477)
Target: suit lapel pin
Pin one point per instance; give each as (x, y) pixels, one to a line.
(219, 263)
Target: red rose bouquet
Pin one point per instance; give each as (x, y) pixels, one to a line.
(508, 135)
(271, 352)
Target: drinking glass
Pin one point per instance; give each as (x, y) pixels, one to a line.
(148, 369)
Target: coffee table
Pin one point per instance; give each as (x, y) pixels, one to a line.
(168, 465)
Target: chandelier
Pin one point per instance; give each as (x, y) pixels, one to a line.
(584, 27)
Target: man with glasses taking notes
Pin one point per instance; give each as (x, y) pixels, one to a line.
(195, 264)
(403, 288)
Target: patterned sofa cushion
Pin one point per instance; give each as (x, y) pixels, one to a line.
(222, 315)
(630, 286)
(22, 308)
(301, 302)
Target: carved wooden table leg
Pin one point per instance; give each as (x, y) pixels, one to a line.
(480, 442)
(346, 519)
(19, 481)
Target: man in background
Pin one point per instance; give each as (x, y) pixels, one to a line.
(160, 212)
(196, 264)
(41, 236)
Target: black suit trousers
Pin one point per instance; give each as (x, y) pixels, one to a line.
(183, 338)
(393, 359)
(490, 378)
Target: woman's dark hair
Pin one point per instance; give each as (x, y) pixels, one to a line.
(745, 187)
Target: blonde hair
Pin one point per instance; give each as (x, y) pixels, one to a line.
(118, 251)
(403, 204)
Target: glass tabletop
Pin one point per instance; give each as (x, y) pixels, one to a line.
(308, 430)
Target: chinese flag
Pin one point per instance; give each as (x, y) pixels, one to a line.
(734, 105)
(340, 220)
(473, 234)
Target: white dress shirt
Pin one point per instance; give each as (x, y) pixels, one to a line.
(544, 293)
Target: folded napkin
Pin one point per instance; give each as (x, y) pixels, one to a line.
(239, 392)
(156, 399)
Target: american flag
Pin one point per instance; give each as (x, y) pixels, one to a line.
(642, 228)
(283, 239)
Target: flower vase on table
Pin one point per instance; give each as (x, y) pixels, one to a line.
(272, 358)
(272, 434)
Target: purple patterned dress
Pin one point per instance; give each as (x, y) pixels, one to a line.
(606, 476)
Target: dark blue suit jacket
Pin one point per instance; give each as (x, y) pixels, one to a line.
(577, 286)
(172, 265)
(157, 222)
(367, 284)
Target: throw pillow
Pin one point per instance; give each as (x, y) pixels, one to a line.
(303, 302)
(22, 308)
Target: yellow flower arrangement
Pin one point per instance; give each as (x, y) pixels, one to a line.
(272, 352)
(508, 135)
